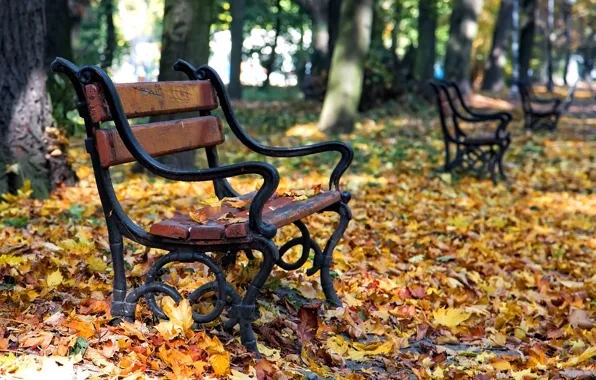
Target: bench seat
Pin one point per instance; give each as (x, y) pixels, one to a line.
(224, 222)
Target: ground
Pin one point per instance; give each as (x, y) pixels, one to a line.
(441, 276)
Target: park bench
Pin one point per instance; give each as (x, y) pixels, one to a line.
(241, 223)
(481, 152)
(540, 113)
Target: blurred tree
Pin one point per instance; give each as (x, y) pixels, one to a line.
(464, 25)
(186, 34)
(567, 10)
(347, 67)
(108, 7)
(27, 143)
(237, 29)
(527, 31)
(493, 76)
(319, 12)
(427, 42)
(271, 59)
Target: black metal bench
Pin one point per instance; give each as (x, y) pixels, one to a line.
(539, 113)
(479, 152)
(255, 217)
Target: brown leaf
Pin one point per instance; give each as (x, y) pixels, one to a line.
(580, 318)
(309, 321)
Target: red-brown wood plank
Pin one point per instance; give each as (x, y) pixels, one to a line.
(152, 98)
(278, 211)
(158, 139)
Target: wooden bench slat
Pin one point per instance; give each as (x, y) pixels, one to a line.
(279, 211)
(158, 139)
(153, 98)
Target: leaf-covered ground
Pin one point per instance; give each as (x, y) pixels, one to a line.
(441, 276)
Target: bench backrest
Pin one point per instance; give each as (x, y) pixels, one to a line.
(446, 101)
(154, 99)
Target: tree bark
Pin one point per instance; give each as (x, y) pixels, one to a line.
(493, 75)
(333, 24)
(238, 10)
(24, 109)
(347, 68)
(111, 34)
(464, 25)
(527, 31)
(60, 22)
(427, 41)
(186, 35)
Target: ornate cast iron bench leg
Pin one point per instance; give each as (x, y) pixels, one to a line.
(324, 260)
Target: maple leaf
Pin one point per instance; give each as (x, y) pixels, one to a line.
(54, 279)
(180, 319)
(450, 317)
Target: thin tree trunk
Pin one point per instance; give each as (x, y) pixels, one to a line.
(24, 109)
(493, 76)
(567, 9)
(271, 60)
(347, 68)
(111, 34)
(235, 87)
(527, 31)
(186, 35)
(549, 45)
(464, 25)
(427, 41)
(395, 33)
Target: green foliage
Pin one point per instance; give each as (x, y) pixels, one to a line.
(93, 36)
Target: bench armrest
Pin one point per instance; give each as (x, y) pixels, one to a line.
(265, 170)
(536, 99)
(347, 154)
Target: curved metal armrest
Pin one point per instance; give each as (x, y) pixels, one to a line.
(267, 171)
(208, 73)
(346, 151)
(536, 99)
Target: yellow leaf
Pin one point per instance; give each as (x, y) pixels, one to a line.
(501, 364)
(450, 317)
(180, 318)
(220, 362)
(54, 279)
(337, 344)
(587, 354)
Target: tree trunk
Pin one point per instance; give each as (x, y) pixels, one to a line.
(493, 76)
(549, 45)
(270, 65)
(395, 33)
(185, 36)
(319, 12)
(464, 25)
(108, 6)
(347, 68)
(60, 23)
(24, 110)
(427, 49)
(238, 10)
(527, 31)
(567, 8)
(333, 24)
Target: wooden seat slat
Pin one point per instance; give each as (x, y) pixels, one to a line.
(158, 139)
(279, 211)
(153, 98)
